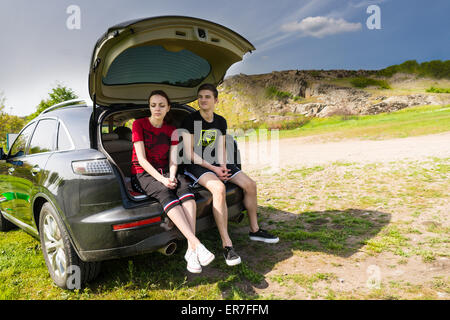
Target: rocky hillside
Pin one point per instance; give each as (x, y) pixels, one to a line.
(252, 100)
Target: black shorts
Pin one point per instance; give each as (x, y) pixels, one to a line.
(168, 198)
(195, 171)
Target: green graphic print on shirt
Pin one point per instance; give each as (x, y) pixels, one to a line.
(208, 137)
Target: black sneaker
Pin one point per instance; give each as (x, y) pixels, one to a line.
(264, 236)
(231, 257)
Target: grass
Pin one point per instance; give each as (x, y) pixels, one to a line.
(328, 217)
(363, 82)
(23, 275)
(303, 280)
(438, 90)
(407, 122)
(274, 93)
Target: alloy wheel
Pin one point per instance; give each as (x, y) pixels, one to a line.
(54, 247)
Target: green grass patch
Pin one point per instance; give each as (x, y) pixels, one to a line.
(363, 82)
(274, 93)
(390, 239)
(414, 121)
(303, 280)
(438, 90)
(328, 231)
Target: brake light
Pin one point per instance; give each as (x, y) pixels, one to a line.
(139, 223)
(92, 167)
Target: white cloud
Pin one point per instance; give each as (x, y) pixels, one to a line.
(366, 3)
(320, 27)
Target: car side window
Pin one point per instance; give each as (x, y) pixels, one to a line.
(43, 139)
(64, 142)
(18, 148)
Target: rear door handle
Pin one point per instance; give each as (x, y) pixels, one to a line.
(11, 170)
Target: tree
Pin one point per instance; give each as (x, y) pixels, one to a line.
(57, 95)
(2, 102)
(8, 123)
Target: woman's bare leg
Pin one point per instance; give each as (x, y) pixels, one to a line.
(190, 212)
(177, 215)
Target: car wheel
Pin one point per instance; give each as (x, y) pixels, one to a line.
(5, 225)
(65, 267)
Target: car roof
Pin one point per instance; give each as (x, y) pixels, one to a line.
(67, 112)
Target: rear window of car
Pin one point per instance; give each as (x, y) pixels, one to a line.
(43, 139)
(154, 64)
(64, 142)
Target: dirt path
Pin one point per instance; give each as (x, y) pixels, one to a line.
(305, 152)
(402, 248)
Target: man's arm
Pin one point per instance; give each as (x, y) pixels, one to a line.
(222, 156)
(188, 140)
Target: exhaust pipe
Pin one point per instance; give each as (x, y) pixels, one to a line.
(168, 249)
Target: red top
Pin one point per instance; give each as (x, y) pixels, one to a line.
(157, 142)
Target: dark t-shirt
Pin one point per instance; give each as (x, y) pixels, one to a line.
(206, 134)
(157, 142)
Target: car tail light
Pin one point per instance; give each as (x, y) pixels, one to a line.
(139, 223)
(92, 167)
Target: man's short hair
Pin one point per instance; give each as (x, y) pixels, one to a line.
(210, 87)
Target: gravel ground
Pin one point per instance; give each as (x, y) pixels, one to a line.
(305, 152)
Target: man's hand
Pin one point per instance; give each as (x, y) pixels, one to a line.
(222, 172)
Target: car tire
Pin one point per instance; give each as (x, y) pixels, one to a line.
(5, 225)
(66, 269)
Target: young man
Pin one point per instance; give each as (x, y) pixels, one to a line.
(204, 143)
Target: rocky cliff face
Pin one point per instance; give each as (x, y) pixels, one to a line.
(315, 93)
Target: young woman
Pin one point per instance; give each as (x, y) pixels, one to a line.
(155, 166)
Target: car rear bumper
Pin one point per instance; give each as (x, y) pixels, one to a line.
(156, 241)
(95, 239)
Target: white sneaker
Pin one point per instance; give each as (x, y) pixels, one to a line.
(193, 265)
(188, 253)
(204, 256)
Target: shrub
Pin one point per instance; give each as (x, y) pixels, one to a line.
(274, 93)
(362, 82)
(435, 69)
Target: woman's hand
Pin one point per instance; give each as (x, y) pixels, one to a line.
(170, 183)
(173, 180)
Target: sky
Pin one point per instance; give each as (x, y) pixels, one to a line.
(39, 51)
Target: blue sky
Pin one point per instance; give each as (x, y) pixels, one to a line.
(38, 50)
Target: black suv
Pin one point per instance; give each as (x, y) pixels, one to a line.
(66, 178)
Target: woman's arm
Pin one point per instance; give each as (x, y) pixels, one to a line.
(143, 162)
(173, 166)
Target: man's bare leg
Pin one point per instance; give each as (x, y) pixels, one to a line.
(250, 197)
(217, 188)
